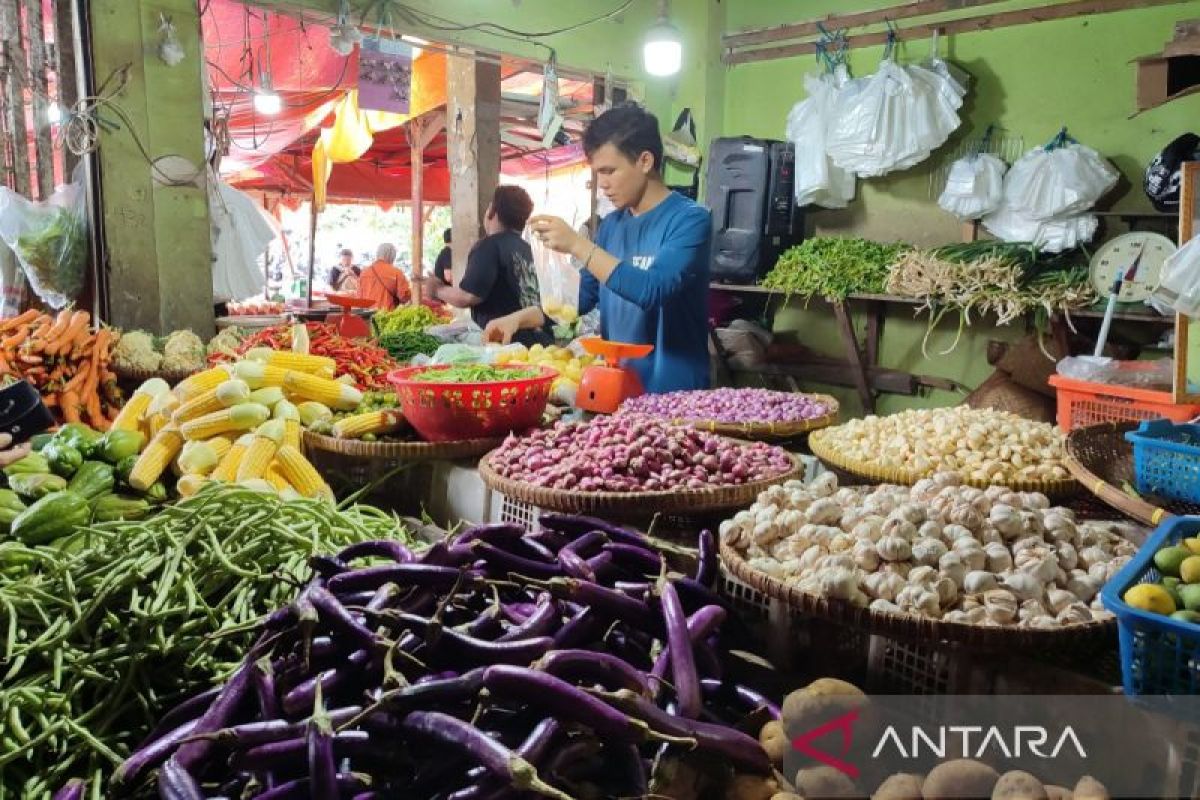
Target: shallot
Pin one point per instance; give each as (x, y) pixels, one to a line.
(728, 405)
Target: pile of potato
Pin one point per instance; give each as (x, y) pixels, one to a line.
(938, 549)
(958, 779)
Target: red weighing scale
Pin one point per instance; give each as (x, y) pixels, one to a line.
(603, 387)
(349, 324)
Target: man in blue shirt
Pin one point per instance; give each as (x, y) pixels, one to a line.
(648, 267)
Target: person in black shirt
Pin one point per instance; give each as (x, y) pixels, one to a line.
(441, 267)
(500, 281)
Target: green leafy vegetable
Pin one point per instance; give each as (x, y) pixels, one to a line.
(56, 253)
(474, 373)
(834, 268)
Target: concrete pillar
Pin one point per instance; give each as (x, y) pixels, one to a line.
(159, 254)
(473, 139)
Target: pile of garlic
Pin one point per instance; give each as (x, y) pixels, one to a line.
(981, 444)
(938, 549)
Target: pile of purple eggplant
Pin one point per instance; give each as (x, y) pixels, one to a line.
(563, 663)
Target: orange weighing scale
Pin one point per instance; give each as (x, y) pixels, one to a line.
(603, 387)
(349, 324)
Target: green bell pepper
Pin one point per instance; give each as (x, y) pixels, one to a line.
(124, 467)
(39, 440)
(117, 445)
(80, 437)
(64, 459)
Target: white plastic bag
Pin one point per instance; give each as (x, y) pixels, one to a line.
(1066, 179)
(1179, 280)
(12, 283)
(240, 232)
(49, 239)
(818, 180)
(1052, 235)
(974, 186)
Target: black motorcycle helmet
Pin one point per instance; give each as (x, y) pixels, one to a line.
(1163, 175)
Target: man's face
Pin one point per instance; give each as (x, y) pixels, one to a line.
(620, 180)
(347, 259)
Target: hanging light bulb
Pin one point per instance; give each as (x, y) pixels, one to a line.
(662, 53)
(266, 100)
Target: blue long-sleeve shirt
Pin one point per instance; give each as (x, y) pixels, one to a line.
(658, 294)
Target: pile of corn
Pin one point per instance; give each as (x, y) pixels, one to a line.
(242, 422)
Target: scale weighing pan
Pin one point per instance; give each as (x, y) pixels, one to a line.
(349, 324)
(603, 387)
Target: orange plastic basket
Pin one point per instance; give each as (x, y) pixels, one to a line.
(450, 412)
(1081, 403)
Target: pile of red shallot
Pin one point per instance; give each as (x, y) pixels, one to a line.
(728, 405)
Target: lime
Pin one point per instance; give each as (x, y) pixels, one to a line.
(1191, 596)
(1151, 597)
(1172, 586)
(1187, 616)
(1168, 559)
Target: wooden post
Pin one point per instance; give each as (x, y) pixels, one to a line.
(421, 131)
(854, 356)
(65, 68)
(473, 144)
(43, 149)
(312, 247)
(12, 49)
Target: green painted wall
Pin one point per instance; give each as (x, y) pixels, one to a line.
(1029, 80)
(159, 253)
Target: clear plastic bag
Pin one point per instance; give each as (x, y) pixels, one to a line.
(558, 284)
(818, 180)
(1052, 235)
(49, 239)
(1179, 280)
(1067, 179)
(974, 187)
(12, 283)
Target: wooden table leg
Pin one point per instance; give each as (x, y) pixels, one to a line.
(854, 356)
(1061, 334)
(877, 312)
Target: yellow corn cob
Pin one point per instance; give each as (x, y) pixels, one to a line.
(155, 458)
(227, 470)
(276, 479)
(226, 395)
(189, 484)
(303, 477)
(261, 452)
(159, 413)
(291, 422)
(241, 417)
(311, 413)
(201, 382)
(371, 422)
(259, 375)
(258, 485)
(130, 416)
(301, 362)
(201, 458)
(331, 393)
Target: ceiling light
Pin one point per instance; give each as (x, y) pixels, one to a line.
(417, 40)
(266, 99)
(662, 53)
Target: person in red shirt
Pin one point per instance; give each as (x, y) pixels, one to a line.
(383, 283)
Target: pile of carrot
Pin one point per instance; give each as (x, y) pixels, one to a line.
(66, 360)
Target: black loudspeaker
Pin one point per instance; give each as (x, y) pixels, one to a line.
(750, 192)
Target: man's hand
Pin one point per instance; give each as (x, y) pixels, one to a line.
(556, 234)
(501, 330)
(429, 287)
(10, 454)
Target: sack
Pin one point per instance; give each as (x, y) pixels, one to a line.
(974, 186)
(1179, 280)
(818, 180)
(49, 239)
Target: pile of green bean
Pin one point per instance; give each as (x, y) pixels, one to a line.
(123, 619)
(833, 268)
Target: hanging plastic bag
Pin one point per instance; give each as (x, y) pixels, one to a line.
(818, 180)
(1064, 177)
(558, 285)
(1179, 280)
(680, 144)
(974, 186)
(12, 283)
(1052, 235)
(49, 239)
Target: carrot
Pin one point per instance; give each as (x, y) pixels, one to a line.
(96, 417)
(16, 339)
(70, 407)
(71, 335)
(50, 400)
(23, 318)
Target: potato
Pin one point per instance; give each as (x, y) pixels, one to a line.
(960, 779)
(1059, 793)
(901, 786)
(774, 741)
(751, 787)
(819, 702)
(1089, 788)
(1018, 785)
(817, 783)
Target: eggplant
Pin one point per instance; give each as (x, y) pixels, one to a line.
(289, 752)
(218, 715)
(251, 734)
(699, 626)
(299, 788)
(332, 613)
(376, 548)
(151, 755)
(578, 526)
(707, 559)
(507, 563)
(404, 575)
(176, 783)
(186, 711)
(477, 745)
(575, 565)
(326, 567)
(494, 533)
(73, 789)
(591, 667)
(580, 628)
(635, 558)
(544, 621)
(262, 676)
(322, 771)
(535, 549)
(747, 697)
(587, 545)
(463, 649)
(434, 693)
(607, 602)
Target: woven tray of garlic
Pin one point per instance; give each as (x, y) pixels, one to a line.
(938, 549)
(983, 445)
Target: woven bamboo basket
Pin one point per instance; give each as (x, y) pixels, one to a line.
(135, 377)
(913, 628)
(1101, 460)
(626, 504)
(827, 452)
(396, 452)
(769, 431)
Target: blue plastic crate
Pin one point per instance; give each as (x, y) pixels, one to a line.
(1166, 459)
(1159, 655)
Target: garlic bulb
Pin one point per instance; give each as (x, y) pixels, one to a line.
(823, 485)
(808, 559)
(1099, 572)
(765, 533)
(897, 526)
(1023, 585)
(885, 585)
(823, 512)
(1075, 614)
(893, 548)
(1040, 621)
(1059, 599)
(928, 551)
(978, 582)
(965, 514)
(886, 607)
(1001, 606)
(961, 617)
(952, 533)
(931, 529)
(842, 543)
(768, 565)
(1042, 567)
(999, 559)
(1068, 556)
(972, 557)
(901, 568)
(1030, 609)
(989, 535)
(866, 557)
(912, 512)
(846, 497)
(838, 583)
(782, 550)
(1006, 520)
(951, 566)
(947, 591)
(1084, 587)
(922, 576)
(920, 600)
